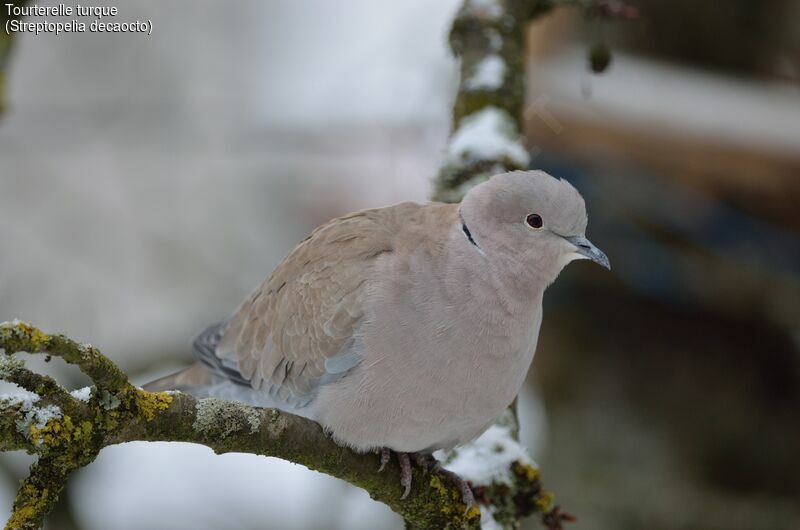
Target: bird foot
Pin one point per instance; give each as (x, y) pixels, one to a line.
(405, 468)
(386, 454)
(467, 496)
(429, 464)
(405, 473)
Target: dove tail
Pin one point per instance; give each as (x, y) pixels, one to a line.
(204, 348)
(191, 380)
(209, 371)
(211, 376)
(201, 375)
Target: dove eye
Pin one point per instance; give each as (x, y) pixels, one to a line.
(534, 220)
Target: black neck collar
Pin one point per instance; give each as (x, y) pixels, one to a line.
(467, 233)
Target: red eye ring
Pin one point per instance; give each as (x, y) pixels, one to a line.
(534, 220)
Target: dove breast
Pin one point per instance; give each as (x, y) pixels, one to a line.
(443, 352)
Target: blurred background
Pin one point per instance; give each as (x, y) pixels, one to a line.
(149, 183)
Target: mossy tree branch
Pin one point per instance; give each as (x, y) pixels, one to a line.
(68, 432)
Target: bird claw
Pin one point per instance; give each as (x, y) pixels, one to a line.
(467, 496)
(405, 473)
(405, 468)
(385, 455)
(427, 462)
(428, 465)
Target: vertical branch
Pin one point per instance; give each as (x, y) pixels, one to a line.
(38, 493)
(488, 38)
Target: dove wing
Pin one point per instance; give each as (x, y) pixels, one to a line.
(296, 331)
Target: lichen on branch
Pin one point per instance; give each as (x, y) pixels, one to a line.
(67, 431)
(64, 431)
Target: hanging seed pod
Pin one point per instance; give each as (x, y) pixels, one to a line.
(599, 57)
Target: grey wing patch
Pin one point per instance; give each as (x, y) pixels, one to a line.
(204, 348)
(342, 363)
(293, 392)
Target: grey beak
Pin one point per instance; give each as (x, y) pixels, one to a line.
(586, 248)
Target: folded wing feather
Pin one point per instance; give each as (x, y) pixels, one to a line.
(299, 328)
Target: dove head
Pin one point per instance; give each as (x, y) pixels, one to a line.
(531, 222)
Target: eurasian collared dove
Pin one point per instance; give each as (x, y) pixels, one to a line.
(409, 327)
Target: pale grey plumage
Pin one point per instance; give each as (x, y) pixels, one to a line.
(409, 327)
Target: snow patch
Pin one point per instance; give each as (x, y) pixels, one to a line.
(495, 40)
(82, 394)
(488, 522)
(488, 75)
(26, 399)
(8, 365)
(488, 134)
(40, 416)
(486, 8)
(32, 415)
(488, 459)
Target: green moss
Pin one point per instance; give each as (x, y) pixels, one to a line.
(57, 432)
(526, 471)
(20, 336)
(110, 420)
(545, 501)
(436, 484)
(446, 501)
(149, 403)
(30, 505)
(72, 440)
(276, 425)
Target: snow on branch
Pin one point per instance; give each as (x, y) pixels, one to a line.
(67, 431)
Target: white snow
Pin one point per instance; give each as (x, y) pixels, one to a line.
(40, 416)
(26, 398)
(488, 521)
(495, 40)
(488, 75)
(82, 394)
(489, 8)
(488, 134)
(8, 364)
(33, 415)
(488, 459)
